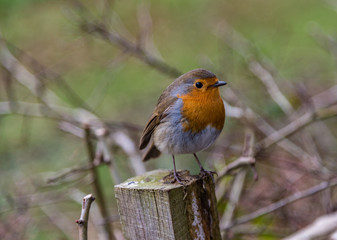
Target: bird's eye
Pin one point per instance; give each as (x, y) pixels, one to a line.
(198, 84)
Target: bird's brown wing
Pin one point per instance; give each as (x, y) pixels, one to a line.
(158, 115)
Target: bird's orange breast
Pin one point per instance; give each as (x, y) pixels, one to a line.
(201, 109)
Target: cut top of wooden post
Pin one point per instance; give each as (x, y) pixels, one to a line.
(151, 209)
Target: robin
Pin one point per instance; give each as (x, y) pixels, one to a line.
(189, 116)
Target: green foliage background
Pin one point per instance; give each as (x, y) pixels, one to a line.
(185, 33)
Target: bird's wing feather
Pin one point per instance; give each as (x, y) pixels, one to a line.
(158, 115)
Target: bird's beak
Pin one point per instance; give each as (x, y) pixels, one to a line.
(218, 84)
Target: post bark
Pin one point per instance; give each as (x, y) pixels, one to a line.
(150, 209)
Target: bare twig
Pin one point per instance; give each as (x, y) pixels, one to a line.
(298, 124)
(247, 114)
(325, 98)
(72, 171)
(268, 80)
(146, 30)
(245, 48)
(101, 134)
(34, 85)
(283, 202)
(238, 183)
(44, 73)
(129, 147)
(321, 227)
(11, 96)
(82, 222)
(247, 157)
(96, 184)
(240, 162)
(114, 38)
(333, 236)
(28, 109)
(234, 198)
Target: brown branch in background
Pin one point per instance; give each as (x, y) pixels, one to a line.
(97, 187)
(28, 109)
(283, 202)
(114, 38)
(35, 86)
(9, 89)
(71, 172)
(238, 163)
(247, 157)
(44, 73)
(285, 143)
(49, 98)
(297, 125)
(321, 227)
(246, 114)
(107, 154)
(245, 48)
(325, 98)
(130, 149)
(23, 76)
(146, 40)
(234, 198)
(82, 222)
(238, 183)
(268, 80)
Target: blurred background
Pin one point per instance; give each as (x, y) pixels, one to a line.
(78, 75)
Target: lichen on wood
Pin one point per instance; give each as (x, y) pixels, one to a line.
(151, 208)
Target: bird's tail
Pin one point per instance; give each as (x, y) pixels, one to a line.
(152, 152)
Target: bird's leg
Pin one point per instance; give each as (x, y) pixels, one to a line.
(176, 177)
(202, 170)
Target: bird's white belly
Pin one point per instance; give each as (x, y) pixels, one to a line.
(171, 138)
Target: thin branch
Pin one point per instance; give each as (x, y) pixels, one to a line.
(234, 198)
(72, 171)
(248, 115)
(247, 152)
(35, 86)
(130, 149)
(246, 49)
(285, 143)
(268, 80)
(42, 71)
(325, 98)
(238, 163)
(321, 227)
(247, 157)
(283, 202)
(82, 222)
(114, 38)
(146, 40)
(101, 134)
(298, 124)
(27, 109)
(96, 184)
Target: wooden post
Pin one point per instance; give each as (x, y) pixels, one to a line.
(151, 209)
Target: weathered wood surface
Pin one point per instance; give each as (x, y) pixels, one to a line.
(152, 209)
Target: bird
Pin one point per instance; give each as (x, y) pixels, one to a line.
(188, 118)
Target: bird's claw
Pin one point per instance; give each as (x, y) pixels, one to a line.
(205, 173)
(177, 177)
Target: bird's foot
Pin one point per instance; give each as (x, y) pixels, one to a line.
(177, 177)
(204, 173)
